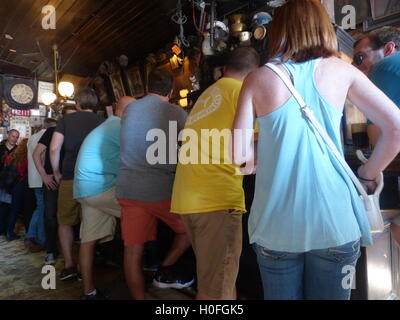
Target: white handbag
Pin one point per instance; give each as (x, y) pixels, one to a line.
(371, 202)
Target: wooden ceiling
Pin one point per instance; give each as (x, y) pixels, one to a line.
(87, 32)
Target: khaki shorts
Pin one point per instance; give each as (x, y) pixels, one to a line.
(99, 215)
(69, 210)
(217, 243)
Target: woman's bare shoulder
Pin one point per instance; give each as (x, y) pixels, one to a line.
(263, 77)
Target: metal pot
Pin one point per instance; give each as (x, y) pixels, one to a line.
(238, 17)
(245, 36)
(238, 24)
(237, 27)
(259, 32)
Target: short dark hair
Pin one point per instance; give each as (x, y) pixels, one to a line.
(12, 131)
(87, 99)
(67, 108)
(160, 82)
(243, 60)
(380, 37)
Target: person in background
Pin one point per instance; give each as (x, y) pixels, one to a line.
(371, 52)
(307, 220)
(144, 189)
(69, 134)
(19, 159)
(8, 145)
(210, 197)
(94, 187)
(50, 189)
(35, 238)
(377, 54)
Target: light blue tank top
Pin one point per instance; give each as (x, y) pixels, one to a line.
(303, 200)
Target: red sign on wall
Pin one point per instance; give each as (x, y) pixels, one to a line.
(21, 113)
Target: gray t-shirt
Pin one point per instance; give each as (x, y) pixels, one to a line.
(137, 178)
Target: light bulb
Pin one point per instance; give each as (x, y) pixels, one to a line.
(183, 93)
(48, 98)
(66, 89)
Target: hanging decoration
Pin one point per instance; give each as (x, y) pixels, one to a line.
(180, 19)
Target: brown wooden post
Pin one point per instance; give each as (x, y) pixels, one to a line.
(330, 7)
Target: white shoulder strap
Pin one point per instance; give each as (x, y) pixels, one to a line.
(311, 117)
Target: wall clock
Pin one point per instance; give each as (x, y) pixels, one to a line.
(19, 93)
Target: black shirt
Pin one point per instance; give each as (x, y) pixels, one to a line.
(75, 127)
(45, 140)
(4, 152)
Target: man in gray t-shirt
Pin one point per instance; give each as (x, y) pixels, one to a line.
(149, 129)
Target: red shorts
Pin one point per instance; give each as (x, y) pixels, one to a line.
(139, 220)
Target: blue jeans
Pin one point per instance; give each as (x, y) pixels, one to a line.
(9, 213)
(36, 226)
(324, 274)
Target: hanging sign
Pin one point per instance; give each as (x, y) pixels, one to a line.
(43, 87)
(22, 125)
(21, 113)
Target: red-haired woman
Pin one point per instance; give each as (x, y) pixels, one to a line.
(307, 220)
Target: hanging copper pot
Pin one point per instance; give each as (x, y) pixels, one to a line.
(238, 23)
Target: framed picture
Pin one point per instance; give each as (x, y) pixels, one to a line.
(384, 8)
(117, 85)
(135, 82)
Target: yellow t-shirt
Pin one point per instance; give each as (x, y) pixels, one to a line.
(209, 187)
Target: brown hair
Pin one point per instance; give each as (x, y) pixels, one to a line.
(67, 108)
(380, 37)
(20, 153)
(243, 60)
(300, 31)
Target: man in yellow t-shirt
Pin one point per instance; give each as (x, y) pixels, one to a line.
(207, 190)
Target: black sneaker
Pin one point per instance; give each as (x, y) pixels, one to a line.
(170, 277)
(69, 273)
(98, 296)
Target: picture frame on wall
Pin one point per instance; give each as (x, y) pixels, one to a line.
(135, 82)
(384, 8)
(117, 85)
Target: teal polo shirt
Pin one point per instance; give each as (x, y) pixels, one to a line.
(98, 160)
(386, 76)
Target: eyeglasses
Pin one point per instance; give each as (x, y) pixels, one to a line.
(358, 59)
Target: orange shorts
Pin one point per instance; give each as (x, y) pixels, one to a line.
(139, 220)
